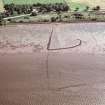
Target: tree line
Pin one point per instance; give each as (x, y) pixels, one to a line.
(35, 9)
(13, 9)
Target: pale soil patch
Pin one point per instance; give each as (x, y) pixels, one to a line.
(34, 38)
(24, 38)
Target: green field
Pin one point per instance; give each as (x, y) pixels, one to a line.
(32, 1)
(74, 5)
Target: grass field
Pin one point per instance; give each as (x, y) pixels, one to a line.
(32, 1)
(74, 5)
(90, 3)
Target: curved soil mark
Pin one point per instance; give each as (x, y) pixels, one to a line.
(49, 43)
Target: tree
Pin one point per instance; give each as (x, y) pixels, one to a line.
(59, 16)
(86, 9)
(1, 19)
(97, 8)
(76, 9)
(66, 8)
(78, 16)
(10, 8)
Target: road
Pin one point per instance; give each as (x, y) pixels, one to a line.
(43, 77)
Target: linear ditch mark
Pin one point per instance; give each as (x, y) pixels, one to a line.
(47, 60)
(72, 86)
(69, 86)
(95, 40)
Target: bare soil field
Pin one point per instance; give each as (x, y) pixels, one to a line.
(72, 38)
(23, 38)
(52, 79)
(52, 64)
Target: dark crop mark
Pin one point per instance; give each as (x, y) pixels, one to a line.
(49, 43)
